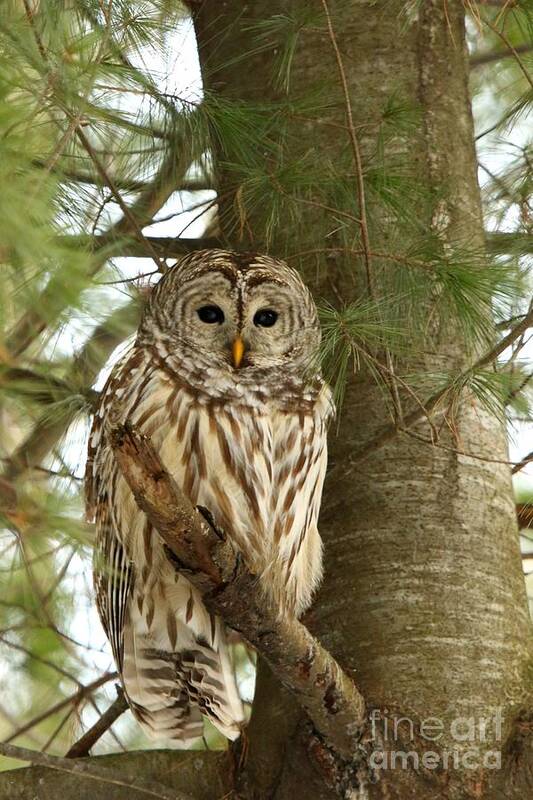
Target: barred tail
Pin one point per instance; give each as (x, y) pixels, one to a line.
(177, 665)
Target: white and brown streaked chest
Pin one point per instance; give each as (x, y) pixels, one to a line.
(256, 463)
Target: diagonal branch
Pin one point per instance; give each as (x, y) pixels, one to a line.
(356, 151)
(108, 181)
(163, 246)
(33, 322)
(512, 50)
(122, 183)
(327, 694)
(82, 372)
(110, 716)
(523, 463)
(41, 388)
(518, 243)
(390, 376)
(75, 698)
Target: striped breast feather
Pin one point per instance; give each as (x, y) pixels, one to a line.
(293, 563)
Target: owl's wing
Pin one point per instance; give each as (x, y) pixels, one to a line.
(172, 654)
(113, 575)
(177, 663)
(300, 459)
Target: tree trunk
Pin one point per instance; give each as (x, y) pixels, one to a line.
(423, 599)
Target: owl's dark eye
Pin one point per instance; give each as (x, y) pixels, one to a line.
(265, 317)
(211, 314)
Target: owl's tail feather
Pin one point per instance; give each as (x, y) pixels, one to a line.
(171, 684)
(178, 720)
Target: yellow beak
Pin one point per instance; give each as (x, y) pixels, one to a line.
(237, 351)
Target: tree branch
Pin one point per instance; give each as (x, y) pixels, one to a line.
(481, 59)
(356, 151)
(163, 246)
(108, 718)
(82, 692)
(330, 698)
(123, 184)
(131, 219)
(84, 370)
(424, 409)
(41, 388)
(520, 244)
(523, 463)
(208, 771)
(33, 322)
(512, 49)
(524, 512)
(87, 769)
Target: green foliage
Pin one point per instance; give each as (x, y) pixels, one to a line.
(351, 335)
(281, 33)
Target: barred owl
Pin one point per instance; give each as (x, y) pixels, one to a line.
(223, 378)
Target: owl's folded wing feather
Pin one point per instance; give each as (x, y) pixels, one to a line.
(113, 574)
(172, 655)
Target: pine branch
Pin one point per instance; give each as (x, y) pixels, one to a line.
(481, 59)
(356, 151)
(30, 17)
(521, 386)
(209, 773)
(132, 221)
(123, 184)
(513, 51)
(87, 769)
(83, 746)
(33, 323)
(41, 388)
(390, 378)
(75, 698)
(524, 513)
(425, 408)
(163, 246)
(330, 698)
(506, 243)
(84, 370)
(45, 661)
(523, 463)
(513, 195)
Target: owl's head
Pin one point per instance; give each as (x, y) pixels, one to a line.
(239, 312)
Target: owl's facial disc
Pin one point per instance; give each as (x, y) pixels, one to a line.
(244, 316)
(248, 325)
